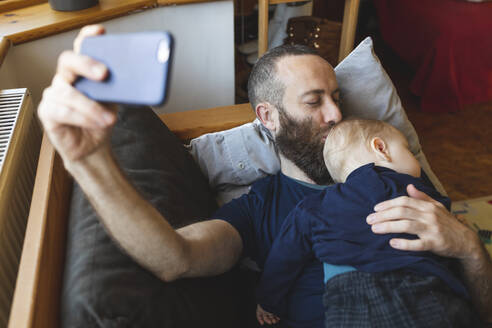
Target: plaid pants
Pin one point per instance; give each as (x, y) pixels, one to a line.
(394, 299)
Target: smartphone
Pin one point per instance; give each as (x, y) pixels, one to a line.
(139, 67)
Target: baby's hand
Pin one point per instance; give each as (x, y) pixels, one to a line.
(265, 317)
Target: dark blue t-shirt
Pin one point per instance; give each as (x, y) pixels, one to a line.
(258, 216)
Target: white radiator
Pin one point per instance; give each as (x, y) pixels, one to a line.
(20, 140)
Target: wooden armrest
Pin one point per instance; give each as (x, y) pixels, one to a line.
(36, 299)
(191, 124)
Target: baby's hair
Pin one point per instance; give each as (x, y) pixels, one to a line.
(345, 141)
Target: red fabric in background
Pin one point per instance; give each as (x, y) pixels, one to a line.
(448, 43)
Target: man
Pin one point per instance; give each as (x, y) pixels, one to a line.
(295, 95)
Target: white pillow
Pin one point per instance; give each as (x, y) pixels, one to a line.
(233, 159)
(367, 92)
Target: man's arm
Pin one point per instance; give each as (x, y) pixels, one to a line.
(441, 233)
(478, 277)
(200, 249)
(79, 129)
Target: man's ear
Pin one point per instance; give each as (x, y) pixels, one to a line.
(265, 113)
(380, 148)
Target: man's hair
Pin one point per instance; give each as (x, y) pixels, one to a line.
(263, 83)
(345, 141)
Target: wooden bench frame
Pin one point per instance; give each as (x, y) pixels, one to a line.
(37, 294)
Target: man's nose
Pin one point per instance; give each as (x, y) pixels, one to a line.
(331, 113)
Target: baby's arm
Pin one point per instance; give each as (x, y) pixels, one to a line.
(290, 251)
(265, 317)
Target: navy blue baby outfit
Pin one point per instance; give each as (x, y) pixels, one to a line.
(390, 287)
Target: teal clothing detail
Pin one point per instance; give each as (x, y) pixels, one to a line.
(331, 270)
(307, 184)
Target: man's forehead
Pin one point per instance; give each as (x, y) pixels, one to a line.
(304, 69)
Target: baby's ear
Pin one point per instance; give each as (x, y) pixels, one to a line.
(380, 148)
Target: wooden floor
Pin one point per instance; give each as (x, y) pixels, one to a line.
(457, 145)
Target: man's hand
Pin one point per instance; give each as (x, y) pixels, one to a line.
(441, 233)
(76, 125)
(438, 230)
(265, 317)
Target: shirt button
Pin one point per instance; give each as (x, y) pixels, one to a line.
(241, 165)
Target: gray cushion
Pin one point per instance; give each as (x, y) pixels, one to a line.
(102, 286)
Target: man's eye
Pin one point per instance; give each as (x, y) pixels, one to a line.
(313, 103)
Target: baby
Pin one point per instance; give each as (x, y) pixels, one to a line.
(367, 282)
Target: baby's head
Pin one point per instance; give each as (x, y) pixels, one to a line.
(353, 143)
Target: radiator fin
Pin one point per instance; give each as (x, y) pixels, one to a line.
(9, 109)
(20, 140)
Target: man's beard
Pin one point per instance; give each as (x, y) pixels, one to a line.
(301, 142)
